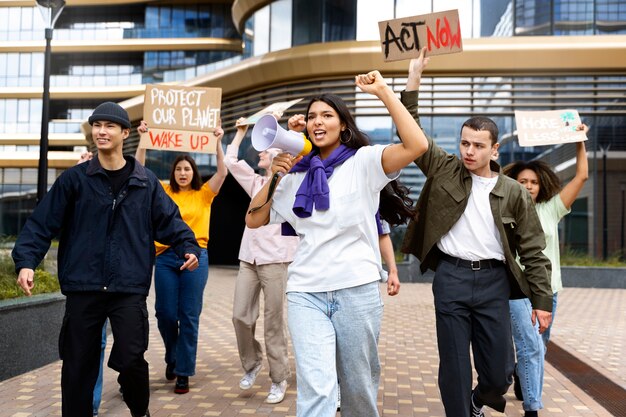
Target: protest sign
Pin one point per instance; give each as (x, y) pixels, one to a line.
(180, 118)
(275, 107)
(538, 128)
(403, 38)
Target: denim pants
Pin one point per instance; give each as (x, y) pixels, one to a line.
(178, 306)
(335, 336)
(530, 351)
(272, 279)
(546, 335)
(472, 307)
(97, 389)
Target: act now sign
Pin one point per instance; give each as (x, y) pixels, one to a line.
(403, 38)
(180, 118)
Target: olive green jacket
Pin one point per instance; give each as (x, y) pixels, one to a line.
(442, 202)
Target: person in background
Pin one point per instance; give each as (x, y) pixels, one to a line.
(552, 203)
(97, 389)
(106, 254)
(330, 198)
(179, 293)
(472, 223)
(264, 256)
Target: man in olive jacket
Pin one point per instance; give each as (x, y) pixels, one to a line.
(472, 222)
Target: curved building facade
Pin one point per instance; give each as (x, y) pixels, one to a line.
(517, 55)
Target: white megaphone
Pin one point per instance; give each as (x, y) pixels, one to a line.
(267, 133)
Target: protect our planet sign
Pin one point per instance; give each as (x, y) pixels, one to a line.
(180, 118)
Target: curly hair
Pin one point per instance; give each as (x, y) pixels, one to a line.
(549, 182)
(196, 181)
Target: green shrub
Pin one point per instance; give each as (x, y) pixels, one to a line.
(574, 258)
(45, 282)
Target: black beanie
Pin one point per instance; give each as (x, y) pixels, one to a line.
(110, 112)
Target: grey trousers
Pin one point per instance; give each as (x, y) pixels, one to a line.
(272, 279)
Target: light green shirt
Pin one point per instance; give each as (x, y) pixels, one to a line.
(550, 214)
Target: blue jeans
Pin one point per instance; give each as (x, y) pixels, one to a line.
(178, 306)
(341, 328)
(546, 335)
(530, 352)
(97, 389)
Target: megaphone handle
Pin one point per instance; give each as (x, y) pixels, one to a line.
(270, 192)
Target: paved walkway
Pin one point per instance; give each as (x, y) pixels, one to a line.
(591, 324)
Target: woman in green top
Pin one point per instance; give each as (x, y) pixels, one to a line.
(552, 203)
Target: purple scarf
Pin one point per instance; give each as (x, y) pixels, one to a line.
(314, 188)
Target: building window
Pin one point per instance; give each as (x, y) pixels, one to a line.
(330, 21)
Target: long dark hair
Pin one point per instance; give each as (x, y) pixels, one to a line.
(352, 137)
(549, 182)
(196, 181)
(396, 207)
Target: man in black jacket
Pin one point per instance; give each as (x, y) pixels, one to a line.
(107, 213)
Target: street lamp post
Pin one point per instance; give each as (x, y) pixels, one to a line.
(50, 10)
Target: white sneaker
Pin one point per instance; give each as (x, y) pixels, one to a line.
(248, 379)
(277, 392)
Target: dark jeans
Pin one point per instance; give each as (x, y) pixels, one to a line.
(79, 348)
(178, 306)
(473, 307)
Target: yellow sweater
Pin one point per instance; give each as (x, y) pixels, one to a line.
(195, 209)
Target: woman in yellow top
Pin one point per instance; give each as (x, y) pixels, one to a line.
(179, 293)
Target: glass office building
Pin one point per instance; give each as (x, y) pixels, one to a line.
(518, 55)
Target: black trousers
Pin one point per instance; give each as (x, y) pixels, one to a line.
(473, 307)
(79, 348)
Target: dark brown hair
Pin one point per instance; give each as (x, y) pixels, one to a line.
(396, 207)
(549, 183)
(395, 204)
(196, 181)
(479, 123)
(352, 137)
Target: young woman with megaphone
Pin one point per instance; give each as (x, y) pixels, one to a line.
(330, 198)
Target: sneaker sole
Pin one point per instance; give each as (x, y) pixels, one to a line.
(181, 391)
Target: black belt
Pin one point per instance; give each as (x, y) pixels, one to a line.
(473, 265)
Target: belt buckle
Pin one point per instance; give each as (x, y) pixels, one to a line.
(475, 265)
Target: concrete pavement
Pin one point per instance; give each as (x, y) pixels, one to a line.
(590, 324)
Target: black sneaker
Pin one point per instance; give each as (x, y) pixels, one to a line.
(141, 415)
(169, 372)
(182, 385)
(517, 386)
(476, 411)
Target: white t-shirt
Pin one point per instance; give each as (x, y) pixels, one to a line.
(338, 247)
(475, 236)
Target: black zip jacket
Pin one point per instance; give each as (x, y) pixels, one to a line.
(106, 242)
